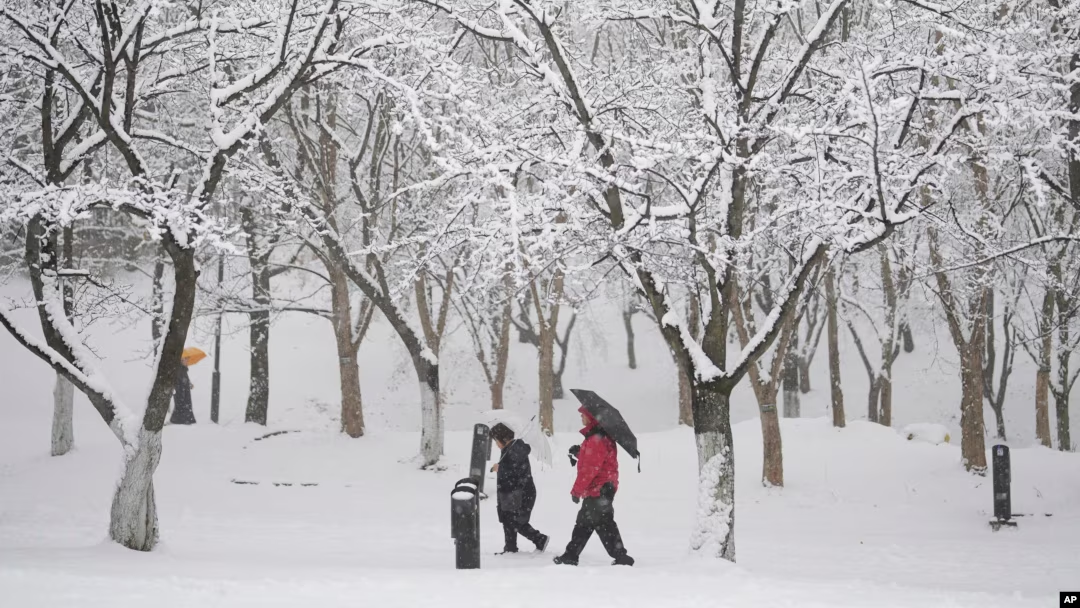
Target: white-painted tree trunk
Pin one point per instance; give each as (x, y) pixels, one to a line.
(431, 430)
(714, 530)
(133, 519)
(63, 427)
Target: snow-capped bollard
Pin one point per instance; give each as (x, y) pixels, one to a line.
(1002, 493)
(481, 451)
(465, 524)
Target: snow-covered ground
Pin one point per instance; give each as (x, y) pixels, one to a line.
(867, 518)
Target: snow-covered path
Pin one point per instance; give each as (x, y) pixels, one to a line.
(866, 519)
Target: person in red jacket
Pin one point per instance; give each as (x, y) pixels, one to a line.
(595, 487)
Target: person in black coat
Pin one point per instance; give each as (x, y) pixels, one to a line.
(515, 490)
(183, 413)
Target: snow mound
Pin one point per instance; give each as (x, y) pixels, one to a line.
(927, 433)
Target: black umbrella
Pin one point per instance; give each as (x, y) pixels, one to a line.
(609, 419)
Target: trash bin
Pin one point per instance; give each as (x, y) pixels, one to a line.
(465, 523)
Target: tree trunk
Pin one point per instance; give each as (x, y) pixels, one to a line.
(557, 391)
(548, 337)
(909, 340)
(873, 411)
(885, 398)
(1061, 395)
(431, 432)
(258, 404)
(804, 375)
(157, 297)
(497, 395)
(714, 530)
(686, 389)
(686, 396)
(259, 323)
(791, 384)
(1042, 376)
(1061, 404)
(133, 518)
(766, 384)
(772, 469)
(63, 425)
(502, 352)
(525, 336)
(1042, 406)
(999, 417)
(836, 388)
(63, 428)
(972, 442)
(547, 379)
(628, 323)
(888, 344)
(971, 351)
(352, 408)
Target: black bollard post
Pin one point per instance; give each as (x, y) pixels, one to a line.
(481, 451)
(465, 524)
(215, 379)
(1002, 493)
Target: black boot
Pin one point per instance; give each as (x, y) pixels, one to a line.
(623, 560)
(566, 560)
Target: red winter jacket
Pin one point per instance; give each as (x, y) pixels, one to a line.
(598, 461)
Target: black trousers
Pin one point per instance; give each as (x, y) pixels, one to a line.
(596, 515)
(511, 529)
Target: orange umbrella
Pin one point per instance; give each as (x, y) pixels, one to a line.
(191, 356)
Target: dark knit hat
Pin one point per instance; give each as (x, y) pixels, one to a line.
(502, 433)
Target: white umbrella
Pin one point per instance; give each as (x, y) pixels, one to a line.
(525, 430)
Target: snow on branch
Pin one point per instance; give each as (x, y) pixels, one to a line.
(163, 208)
(220, 26)
(784, 304)
(986, 259)
(324, 34)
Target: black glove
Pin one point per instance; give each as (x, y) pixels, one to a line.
(575, 499)
(573, 452)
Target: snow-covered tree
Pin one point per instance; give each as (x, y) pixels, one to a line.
(712, 116)
(120, 76)
(875, 300)
(376, 167)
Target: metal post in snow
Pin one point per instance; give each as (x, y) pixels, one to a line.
(1002, 491)
(215, 383)
(481, 451)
